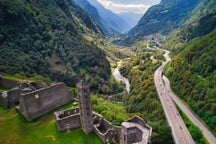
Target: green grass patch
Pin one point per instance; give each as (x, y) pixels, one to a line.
(15, 128)
(36, 78)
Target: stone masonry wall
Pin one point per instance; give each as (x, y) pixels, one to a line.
(6, 83)
(3, 100)
(67, 119)
(118, 133)
(103, 129)
(39, 102)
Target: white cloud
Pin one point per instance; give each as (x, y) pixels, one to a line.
(123, 8)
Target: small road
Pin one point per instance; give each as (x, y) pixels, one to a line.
(191, 115)
(180, 132)
(117, 75)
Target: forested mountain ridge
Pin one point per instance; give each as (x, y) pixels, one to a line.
(164, 17)
(94, 13)
(192, 70)
(193, 76)
(47, 38)
(201, 22)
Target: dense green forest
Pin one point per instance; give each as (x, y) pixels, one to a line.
(143, 99)
(49, 38)
(163, 18)
(193, 77)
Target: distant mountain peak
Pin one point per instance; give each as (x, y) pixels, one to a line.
(109, 21)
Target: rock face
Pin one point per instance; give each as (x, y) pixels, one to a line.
(39, 102)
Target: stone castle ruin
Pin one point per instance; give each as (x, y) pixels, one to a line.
(10, 98)
(134, 130)
(33, 100)
(38, 102)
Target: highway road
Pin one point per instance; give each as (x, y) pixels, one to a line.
(180, 132)
(191, 115)
(165, 91)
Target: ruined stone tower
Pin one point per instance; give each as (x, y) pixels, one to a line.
(85, 107)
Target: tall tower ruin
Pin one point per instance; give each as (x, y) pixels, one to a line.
(85, 108)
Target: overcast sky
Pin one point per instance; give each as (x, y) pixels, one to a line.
(133, 6)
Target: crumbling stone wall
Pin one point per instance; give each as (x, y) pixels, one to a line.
(135, 130)
(6, 83)
(67, 119)
(3, 100)
(39, 102)
(10, 98)
(117, 130)
(137, 120)
(134, 135)
(103, 129)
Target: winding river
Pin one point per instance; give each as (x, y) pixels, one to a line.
(117, 75)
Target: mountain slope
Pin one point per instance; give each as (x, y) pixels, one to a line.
(84, 4)
(201, 22)
(113, 20)
(46, 38)
(193, 75)
(164, 17)
(193, 68)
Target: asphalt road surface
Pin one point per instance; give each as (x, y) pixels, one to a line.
(165, 91)
(191, 115)
(180, 132)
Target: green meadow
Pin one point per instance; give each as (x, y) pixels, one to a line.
(15, 129)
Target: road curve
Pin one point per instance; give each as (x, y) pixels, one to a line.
(191, 115)
(180, 132)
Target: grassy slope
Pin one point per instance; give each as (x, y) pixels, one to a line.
(15, 129)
